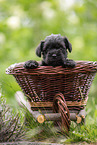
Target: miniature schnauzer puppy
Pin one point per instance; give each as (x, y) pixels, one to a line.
(54, 50)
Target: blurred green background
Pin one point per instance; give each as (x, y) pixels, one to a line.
(24, 23)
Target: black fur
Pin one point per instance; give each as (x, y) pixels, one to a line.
(54, 50)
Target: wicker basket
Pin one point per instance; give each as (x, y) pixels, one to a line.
(57, 88)
(43, 83)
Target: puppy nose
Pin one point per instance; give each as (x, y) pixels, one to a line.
(54, 55)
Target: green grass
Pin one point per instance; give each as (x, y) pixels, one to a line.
(46, 132)
(87, 133)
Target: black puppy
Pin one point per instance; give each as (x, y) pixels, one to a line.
(54, 50)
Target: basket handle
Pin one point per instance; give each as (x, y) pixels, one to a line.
(59, 106)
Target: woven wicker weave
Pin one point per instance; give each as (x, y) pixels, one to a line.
(43, 83)
(59, 89)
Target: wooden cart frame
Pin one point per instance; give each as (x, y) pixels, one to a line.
(60, 93)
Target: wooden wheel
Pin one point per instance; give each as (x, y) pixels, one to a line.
(59, 106)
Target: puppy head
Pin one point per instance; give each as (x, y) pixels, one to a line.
(54, 48)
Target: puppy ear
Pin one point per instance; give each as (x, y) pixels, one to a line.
(39, 49)
(68, 44)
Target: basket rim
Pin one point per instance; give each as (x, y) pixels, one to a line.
(81, 67)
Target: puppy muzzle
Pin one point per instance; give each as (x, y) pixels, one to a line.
(55, 58)
(54, 55)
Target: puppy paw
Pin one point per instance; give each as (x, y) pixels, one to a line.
(69, 63)
(30, 64)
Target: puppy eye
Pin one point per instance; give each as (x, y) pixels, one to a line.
(59, 46)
